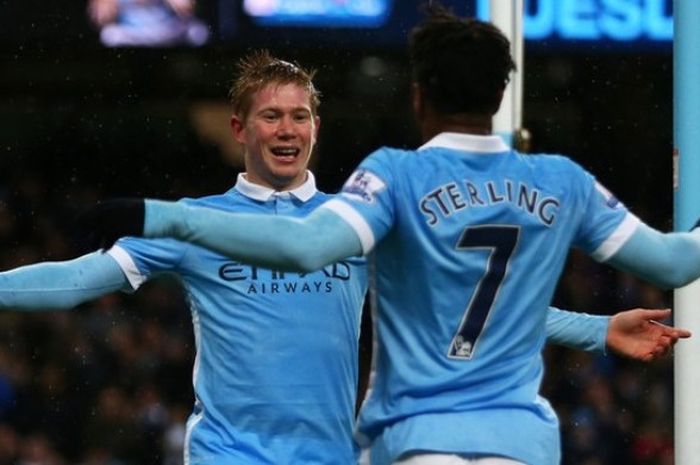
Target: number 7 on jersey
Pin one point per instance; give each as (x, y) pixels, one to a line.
(500, 241)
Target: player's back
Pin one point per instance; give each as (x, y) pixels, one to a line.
(464, 276)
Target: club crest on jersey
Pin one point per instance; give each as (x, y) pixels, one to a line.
(610, 200)
(363, 185)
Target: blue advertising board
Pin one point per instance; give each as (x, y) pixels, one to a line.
(594, 20)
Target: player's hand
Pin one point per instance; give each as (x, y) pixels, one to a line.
(100, 226)
(637, 334)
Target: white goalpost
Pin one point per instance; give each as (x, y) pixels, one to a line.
(686, 185)
(507, 15)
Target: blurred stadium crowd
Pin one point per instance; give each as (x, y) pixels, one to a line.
(110, 382)
(106, 384)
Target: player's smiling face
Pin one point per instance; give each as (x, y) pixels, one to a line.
(279, 134)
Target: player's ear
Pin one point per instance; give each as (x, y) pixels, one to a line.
(238, 128)
(317, 126)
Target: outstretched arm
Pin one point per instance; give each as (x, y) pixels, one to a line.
(635, 334)
(273, 241)
(577, 330)
(60, 285)
(668, 260)
(278, 242)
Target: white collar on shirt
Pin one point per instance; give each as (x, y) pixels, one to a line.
(262, 193)
(467, 142)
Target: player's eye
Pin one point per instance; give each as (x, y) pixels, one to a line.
(301, 117)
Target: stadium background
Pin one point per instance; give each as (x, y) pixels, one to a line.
(110, 383)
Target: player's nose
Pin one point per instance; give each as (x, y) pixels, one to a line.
(286, 127)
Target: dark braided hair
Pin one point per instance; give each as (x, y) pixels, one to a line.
(462, 64)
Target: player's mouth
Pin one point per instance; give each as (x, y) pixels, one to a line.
(285, 153)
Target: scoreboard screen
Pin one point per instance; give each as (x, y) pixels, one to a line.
(319, 13)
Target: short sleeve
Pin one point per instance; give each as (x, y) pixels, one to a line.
(606, 223)
(366, 201)
(141, 258)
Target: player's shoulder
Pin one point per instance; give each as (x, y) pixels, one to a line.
(553, 163)
(374, 172)
(319, 197)
(391, 159)
(390, 153)
(222, 201)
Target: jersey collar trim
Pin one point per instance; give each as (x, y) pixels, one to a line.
(263, 194)
(467, 143)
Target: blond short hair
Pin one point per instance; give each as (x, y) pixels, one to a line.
(258, 69)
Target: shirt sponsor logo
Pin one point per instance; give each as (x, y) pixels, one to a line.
(363, 185)
(255, 280)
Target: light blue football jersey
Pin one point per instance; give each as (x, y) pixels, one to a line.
(275, 374)
(469, 240)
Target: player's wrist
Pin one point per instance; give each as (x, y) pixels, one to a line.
(611, 342)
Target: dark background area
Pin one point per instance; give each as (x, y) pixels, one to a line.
(80, 122)
(116, 117)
